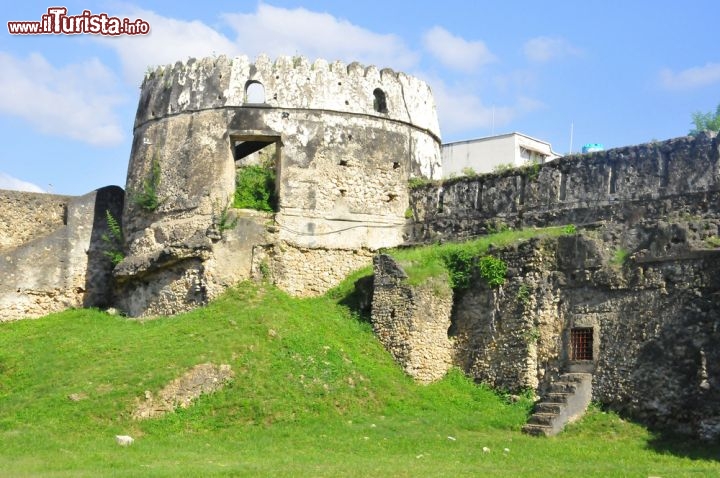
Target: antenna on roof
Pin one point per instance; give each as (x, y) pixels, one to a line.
(493, 121)
(572, 125)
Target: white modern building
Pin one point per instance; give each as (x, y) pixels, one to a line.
(483, 155)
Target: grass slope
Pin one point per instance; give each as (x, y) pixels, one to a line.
(314, 395)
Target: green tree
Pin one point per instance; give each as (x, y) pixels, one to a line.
(705, 122)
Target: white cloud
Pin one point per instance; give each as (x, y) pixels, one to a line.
(461, 111)
(456, 52)
(15, 184)
(543, 49)
(696, 77)
(169, 41)
(75, 101)
(279, 31)
(271, 30)
(463, 114)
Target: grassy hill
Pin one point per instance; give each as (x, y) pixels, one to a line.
(314, 395)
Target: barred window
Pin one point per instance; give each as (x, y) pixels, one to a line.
(581, 342)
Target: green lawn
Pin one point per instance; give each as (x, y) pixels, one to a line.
(314, 395)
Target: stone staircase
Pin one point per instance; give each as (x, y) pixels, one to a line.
(566, 401)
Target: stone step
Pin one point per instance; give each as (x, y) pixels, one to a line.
(556, 397)
(574, 377)
(545, 407)
(566, 401)
(564, 387)
(546, 419)
(537, 430)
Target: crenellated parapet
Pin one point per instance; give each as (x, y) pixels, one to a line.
(291, 83)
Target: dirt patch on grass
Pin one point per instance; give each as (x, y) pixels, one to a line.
(181, 392)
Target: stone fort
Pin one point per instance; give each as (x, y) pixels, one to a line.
(343, 142)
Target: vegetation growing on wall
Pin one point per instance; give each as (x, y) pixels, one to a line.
(415, 183)
(619, 257)
(224, 220)
(705, 121)
(463, 260)
(113, 239)
(255, 188)
(147, 197)
(493, 270)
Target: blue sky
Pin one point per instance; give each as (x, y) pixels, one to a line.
(621, 73)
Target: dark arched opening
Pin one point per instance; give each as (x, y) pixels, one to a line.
(380, 101)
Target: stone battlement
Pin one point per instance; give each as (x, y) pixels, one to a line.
(677, 176)
(289, 83)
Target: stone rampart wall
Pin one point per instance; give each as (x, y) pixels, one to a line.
(680, 176)
(65, 267)
(308, 272)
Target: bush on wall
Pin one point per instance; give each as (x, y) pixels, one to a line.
(255, 189)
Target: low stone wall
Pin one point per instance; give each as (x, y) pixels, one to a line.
(65, 268)
(306, 272)
(27, 216)
(412, 321)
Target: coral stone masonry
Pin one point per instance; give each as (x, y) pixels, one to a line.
(343, 140)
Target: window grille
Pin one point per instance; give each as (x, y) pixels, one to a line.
(581, 340)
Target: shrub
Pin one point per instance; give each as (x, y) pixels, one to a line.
(147, 198)
(532, 167)
(414, 183)
(619, 257)
(224, 221)
(523, 294)
(459, 263)
(713, 241)
(469, 172)
(501, 168)
(255, 189)
(493, 270)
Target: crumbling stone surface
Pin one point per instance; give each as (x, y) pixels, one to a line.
(654, 317)
(27, 216)
(412, 321)
(310, 272)
(180, 393)
(622, 185)
(60, 262)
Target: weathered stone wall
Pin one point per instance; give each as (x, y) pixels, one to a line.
(509, 336)
(182, 272)
(303, 271)
(653, 180)
(27, 216)
(62, 268)
(346, 139)
(412, 321)
(655, 321)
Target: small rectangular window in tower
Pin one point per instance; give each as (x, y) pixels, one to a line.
(581, 343)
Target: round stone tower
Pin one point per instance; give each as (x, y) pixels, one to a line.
(341, 140)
